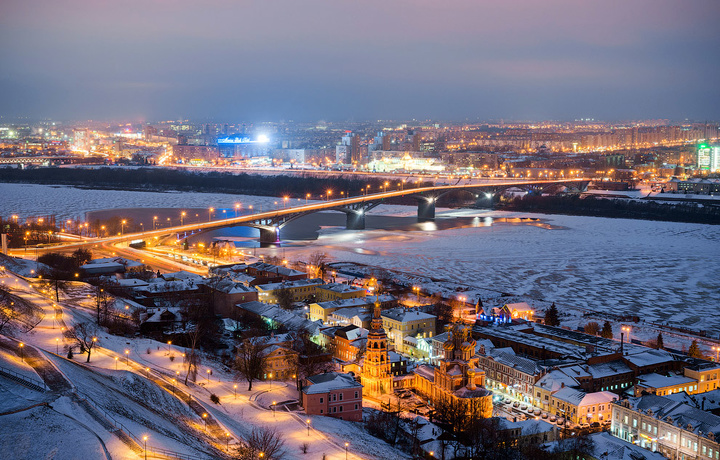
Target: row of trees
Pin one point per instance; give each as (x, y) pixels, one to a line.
(162, 178)
(626, 209)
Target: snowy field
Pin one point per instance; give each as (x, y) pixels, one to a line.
(662, 271)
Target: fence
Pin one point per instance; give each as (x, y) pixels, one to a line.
(33, 384)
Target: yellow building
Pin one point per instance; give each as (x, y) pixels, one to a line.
(579, 407)
(707, 376)
(402, 322)
(300, 290)
(337, 291)
(662, 385)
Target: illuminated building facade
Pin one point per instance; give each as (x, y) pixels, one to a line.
(708, 158)
(240, 147)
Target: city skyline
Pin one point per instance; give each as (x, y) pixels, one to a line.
(319, 60)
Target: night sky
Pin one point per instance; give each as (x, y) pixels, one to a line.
(309, 60)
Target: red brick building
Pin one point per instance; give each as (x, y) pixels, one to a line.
(333, 394)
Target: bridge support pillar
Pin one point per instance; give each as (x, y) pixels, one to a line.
(484, 200)
(355, 220)
(426, 209)
(269, 235)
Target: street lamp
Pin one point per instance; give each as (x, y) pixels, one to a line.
(204, 416)
(155, 222)
(22, 354)
(346, 450)
(122, 226)
(227, 441)
(116, 361)
(270, 377)
(717, 352)
(235, 390)
(237, 207)
(273, 406)
(308, 426)
(329, 192)
(127, 358)
(208, 375)
(57, 346)
(210, 211)
(145, 446)
(306, 197)
(182, 218)
(627, 329)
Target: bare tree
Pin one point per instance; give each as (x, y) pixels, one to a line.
(250, 361)
(592, 328)
(285, 298)
(262, 440)
(85, 334)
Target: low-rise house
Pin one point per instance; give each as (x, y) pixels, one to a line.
(333, 394)
(706, 374)
(579, 407)
(526, 432)
(672, 428)
(338, 291)
(509, 373)
(358, 316)
(662, 385)
(604, 446)
(300, 290)
(401, 322)
(227, 293)
(349, 342)
(324, 310)
(268, 273)
(549, 384)
(275, 316)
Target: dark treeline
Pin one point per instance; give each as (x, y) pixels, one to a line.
(157, 179)
(627, 209)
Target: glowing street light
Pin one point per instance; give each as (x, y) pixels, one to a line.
(274, 406)
(182, 218)
(237, 207)
(22, 354)
(346, 450)
(205, 416)
(306, 197)
(57, 346)
(127, 358)
(145, 446)
(627, 329)
(116, 361)
(235, 390)
(210, 211)
(208, 375)
(122, 226)
(155, 218)
(717, 352)
(308, 426)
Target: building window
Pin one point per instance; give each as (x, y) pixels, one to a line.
(321, 400)
(341, 408)
(356, 394)
(341, 396)
(356, 406)
(321, 411)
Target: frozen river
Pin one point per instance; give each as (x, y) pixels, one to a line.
(659, 270)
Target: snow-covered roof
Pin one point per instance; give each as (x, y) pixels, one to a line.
(289, 284)
(527, 427)
(340, 288)
(131, 282)
(524, 365)
(330, 381)
(404, 315)
(708, 401)
(580, 398)
(426, 371)
(661, 381)
(182, 275)
(555, 380)
(604, 445)
(688, 417)
(649, 357)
